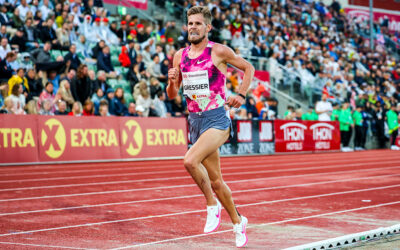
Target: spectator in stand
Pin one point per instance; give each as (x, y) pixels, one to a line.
(132, 53)
(311, 115)
(251, 108)
(6, 70)
(392, 118)
(16, 19)
(103, 108)
(155, 87)
(18, 42)
(46, 9)
(159, 105)
(65, 89)
(81, 85)
(144, 101)
(109, 98)
(4, 19)
(48, 95)
(123, 33)
(346, 125)
(105, 33)
(31, 34)
(86, 29)
(141, 34)
(19, 78)
(119, 103)
(172, 31)
(324, 109)
(358, 128)
(104, 63)
(35, 85)
(7, 108)
(46, 108)
(134, 76)
(72, 57)
(63, 36)
(3, 31)
(289, 114)
(23, 9)
(18, 99)
(88, 108)
(154, 68)
(100, 82)
(97, 97)
(132, 110)
(178, 107)
(62, 108)
(4, 48)
(76, 109)
(124, 58)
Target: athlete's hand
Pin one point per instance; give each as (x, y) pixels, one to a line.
(235, 101)
(173, 75)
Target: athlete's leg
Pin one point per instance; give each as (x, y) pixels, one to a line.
(207, 144)
(223, 192)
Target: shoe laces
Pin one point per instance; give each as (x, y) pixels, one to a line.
(211, 212)
(237, 229)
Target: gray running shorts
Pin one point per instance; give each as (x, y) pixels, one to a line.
(199, 122)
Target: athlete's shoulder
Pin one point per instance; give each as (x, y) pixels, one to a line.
(221, 50)
(178, 54)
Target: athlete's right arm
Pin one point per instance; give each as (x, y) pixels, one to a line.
(174, 76)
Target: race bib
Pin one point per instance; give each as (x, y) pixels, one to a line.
(196, 84)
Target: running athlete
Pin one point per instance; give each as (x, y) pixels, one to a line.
(201, 68)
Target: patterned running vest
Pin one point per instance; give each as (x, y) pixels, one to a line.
(203, 83)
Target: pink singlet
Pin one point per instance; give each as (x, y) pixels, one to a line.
(203, 83)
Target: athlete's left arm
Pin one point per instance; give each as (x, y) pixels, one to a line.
(227, 56)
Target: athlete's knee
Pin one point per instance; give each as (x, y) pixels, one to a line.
(217, 184)
(190, 163)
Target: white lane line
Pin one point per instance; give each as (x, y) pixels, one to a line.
(192, 185)
(197, 211)
(187, 176)
(38, 245)
(261, 165)
(133, 168)
(272, 159)
(262, 225)
(197, 195)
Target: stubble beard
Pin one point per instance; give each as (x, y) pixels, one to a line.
(197, 41)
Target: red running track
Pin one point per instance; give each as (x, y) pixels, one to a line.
(289, 200)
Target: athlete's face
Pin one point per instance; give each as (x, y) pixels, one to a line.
(197, 28)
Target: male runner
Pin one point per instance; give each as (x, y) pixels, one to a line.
(201, 68)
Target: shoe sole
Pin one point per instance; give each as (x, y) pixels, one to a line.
(219, 221)
(247, 239)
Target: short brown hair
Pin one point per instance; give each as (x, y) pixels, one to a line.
(200, 10)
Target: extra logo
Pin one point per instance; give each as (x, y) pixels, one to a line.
(53, 138)
(293, 131)
(132, 137)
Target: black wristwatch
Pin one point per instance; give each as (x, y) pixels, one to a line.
(244, 97)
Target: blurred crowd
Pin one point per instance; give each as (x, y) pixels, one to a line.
(75, 58)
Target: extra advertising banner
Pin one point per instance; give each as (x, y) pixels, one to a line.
(153, 137)
(363, 15)
(78, 138)
(33, 138)
(300, 136)
(18, 139)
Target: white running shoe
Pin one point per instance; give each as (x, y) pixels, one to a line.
(394, 147)
(213, 218)
(240, 232)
